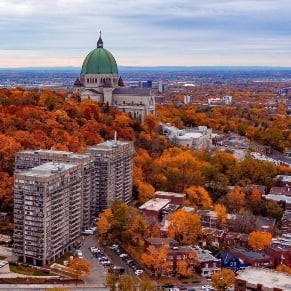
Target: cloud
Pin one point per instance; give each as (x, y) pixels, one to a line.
(153, 30)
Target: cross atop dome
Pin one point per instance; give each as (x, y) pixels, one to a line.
(100, 41)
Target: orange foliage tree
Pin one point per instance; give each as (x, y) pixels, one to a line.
(104, 223)
(223, 279)
(221, 213)
(283, 268)
(259, 240)
(185, 227)
(79, 268)
(156, 260)
(198, 196)
(235, 199)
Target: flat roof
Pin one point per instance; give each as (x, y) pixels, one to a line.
(47, 169)
(109, 144)
(155, 204)
(42, 152)
(178, 195)
(266, 277)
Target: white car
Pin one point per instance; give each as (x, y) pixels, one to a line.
(207, 287)
(138, 272)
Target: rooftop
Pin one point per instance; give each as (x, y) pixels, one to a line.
(155, 204)
(250, 254)
(47, 169)
(271, 279)
(163, 193)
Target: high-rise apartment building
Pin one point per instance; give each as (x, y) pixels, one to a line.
(57, 193)
(47, 211)
(113, 172)
(29, 159)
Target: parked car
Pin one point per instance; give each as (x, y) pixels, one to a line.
(138, 272)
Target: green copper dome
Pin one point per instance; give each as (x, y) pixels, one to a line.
(99, 61)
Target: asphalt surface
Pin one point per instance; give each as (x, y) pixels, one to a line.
(98, 274)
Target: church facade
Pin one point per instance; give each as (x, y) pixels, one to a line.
(99, 80)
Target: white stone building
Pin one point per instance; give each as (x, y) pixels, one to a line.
(99, 80)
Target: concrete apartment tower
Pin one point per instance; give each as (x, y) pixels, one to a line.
(57, 194)
(47, 211)
(113, 164)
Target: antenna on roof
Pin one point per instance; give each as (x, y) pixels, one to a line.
(115, 136)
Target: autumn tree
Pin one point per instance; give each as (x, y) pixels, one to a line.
(137, 229)
(185, 227)
(223, 279)
(145, 192)
(283, 269)
(273, 210)
(259, 240)
(221, 213)
(104, 223)
(183, 266)
(198, 196)
(235, 200)
(180, 169)
(256, 201)
(78, 268)
(156, 260)
(183, 269)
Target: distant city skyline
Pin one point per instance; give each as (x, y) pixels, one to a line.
(146, 33)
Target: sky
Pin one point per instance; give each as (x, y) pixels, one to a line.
(37, 33)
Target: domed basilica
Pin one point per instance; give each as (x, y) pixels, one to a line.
(99, 80)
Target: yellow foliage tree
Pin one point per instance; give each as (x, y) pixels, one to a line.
(259, 240)
(223, 279)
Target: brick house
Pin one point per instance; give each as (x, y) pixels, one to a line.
(254, 259)
(203, 260)
(280, 250)
(235, 239)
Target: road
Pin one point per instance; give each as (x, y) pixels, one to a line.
(97, 276)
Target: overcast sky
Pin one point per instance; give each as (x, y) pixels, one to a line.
(146, 32)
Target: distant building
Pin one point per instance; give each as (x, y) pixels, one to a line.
(261, 279)
(195, 138)
(187, 99)
(99, 80)
(225, 100)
